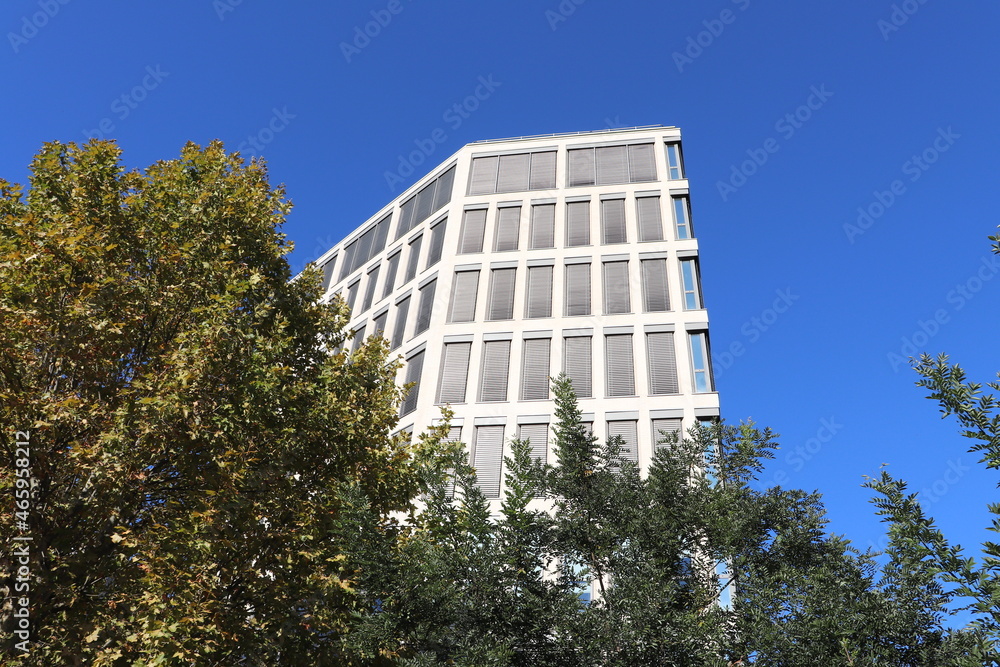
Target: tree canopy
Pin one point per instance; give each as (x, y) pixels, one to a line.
(193, 440)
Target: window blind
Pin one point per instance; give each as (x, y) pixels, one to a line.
(539, 301)
(487, 456)
(502, 294)
(508, 228)
(616, 292)
(535, 369)
(613, 221)
(578, 289)
(619, 366)
(578, 366)
(454, 373)
(414, 367)
(463, 297)
(654, 285)
(662, 361)
(426, 307)
(543, 226)
(495, 371)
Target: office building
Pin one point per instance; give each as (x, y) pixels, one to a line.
(517, 259)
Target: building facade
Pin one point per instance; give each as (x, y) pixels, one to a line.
(518, 259)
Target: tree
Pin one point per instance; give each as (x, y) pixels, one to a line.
(194, 445)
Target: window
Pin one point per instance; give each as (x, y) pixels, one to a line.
(437, 244)
(426, 307)
(454, 373)
(613, 221)
(619, 365)
(648, 214)
(662, 363)
(463, 297)
(411, 264)
(543, 226)
(675, 168)
(366, 246)
(390, 275)
(370, 288)
(654, 286)
(328, 273)
(610, 165)
(414, 367)
(578, 289)
(487, 455)
(399, 331)
(501, 305)
(359, 335)
(700, 362)
(422, 205)
(513, 173)
(537, 436)
(661, 429)
(577, 223)
(473, 231)
(494, 375)
(682, 218)
(577, 364)
(689, 277)
(539, 299)
(535, 369)
(616, 293)
(379, 327)
(628, 432)
(352, 293)
(508, 228)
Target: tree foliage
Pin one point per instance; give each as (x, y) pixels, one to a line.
(194, 443)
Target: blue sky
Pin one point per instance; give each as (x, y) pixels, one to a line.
(841, 108)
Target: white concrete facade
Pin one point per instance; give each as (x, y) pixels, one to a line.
(517, 259)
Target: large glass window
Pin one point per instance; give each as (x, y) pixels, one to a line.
(692, 291)
(700, 362)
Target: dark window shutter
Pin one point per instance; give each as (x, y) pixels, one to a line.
(411, 264)
(446, 182)
(616, 288)
(370, 288)
(399, 330)
(426, 307)
(414, 368)
(390, 275)
(437, 244)
(612, 165)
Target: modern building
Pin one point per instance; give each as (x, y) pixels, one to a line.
(517, 259)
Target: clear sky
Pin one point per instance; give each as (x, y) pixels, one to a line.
(890, 108)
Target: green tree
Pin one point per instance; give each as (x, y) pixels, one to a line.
(194, 443)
